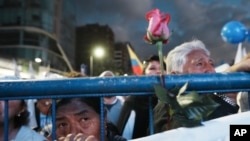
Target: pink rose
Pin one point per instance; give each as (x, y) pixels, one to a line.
(158, 27)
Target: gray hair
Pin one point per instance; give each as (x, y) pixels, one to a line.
(177, 57)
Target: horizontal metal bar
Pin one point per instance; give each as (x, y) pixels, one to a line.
(123, 85)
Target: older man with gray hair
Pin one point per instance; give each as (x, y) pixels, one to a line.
(193, 57)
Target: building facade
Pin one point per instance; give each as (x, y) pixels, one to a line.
(122, 59)
(37, 34)
(88, 38)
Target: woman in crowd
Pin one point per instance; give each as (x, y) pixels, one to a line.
(79, 118)
(18, 119)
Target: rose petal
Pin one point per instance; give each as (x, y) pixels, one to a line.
(158, 26)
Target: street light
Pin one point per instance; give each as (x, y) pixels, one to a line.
(97, 52)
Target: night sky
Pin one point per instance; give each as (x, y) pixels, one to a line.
(190, 19)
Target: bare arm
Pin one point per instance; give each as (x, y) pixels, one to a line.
(243, 65)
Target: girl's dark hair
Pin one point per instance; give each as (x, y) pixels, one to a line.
(150, 59)
(93, 102)
(23, 118)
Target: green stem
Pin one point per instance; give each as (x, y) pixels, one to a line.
(159, 46)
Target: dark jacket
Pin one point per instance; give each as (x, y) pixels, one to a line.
(140, 104)
(113, 137)
(113, 133)
(37, 115)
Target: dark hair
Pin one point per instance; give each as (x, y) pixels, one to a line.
(150, 59)
(23, 118)
(93, 102)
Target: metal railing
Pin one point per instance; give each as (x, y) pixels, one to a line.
(122, 86)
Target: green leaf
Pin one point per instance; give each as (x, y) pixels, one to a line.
(199, 110)
(186, 99)
(168, 98)
(186, 110)
(183, 121)
(183, 89)
(161, 93)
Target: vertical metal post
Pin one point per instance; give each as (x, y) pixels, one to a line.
(6, 120)
(91, 65)
(53, 119)
(151, 117)
(102, 117)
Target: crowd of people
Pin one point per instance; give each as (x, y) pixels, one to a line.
(125, 118)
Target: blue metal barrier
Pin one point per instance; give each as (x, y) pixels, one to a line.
(129, 85)
(125, 85)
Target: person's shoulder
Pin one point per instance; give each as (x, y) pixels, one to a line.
(119, 138)
(114, 135)
(121, 99)
(27, 134)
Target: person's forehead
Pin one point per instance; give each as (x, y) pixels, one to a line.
(153, 62)
(72, 110)
(197, 54)
(75, 103)
(75, 106)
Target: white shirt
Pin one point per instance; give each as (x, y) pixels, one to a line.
(27, 134)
